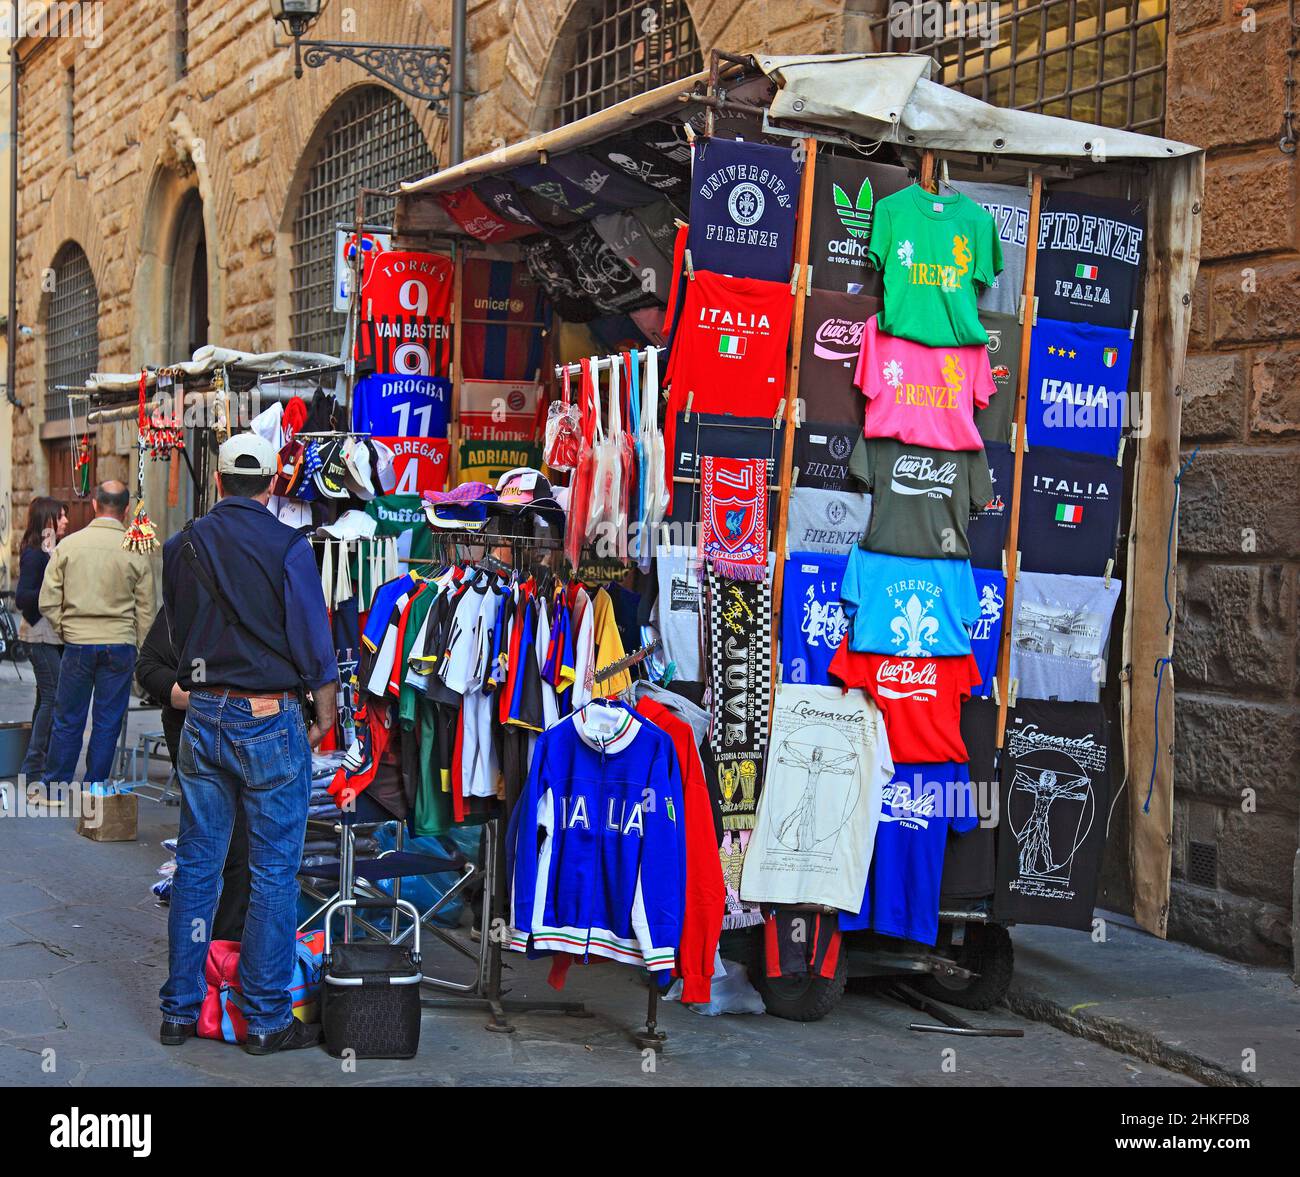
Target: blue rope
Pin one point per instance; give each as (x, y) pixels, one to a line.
(1161, 663)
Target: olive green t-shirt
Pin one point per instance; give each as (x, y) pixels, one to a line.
(935, 252)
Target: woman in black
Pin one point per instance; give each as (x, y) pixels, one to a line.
(155, 671)
(47, 520)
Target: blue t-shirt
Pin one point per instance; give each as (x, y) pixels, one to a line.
(987, 532)
(910, 606)
(1069, 511)
(812, 619)
(401, 406)
(987, 634)
(917, 808)
(743, 198)
(1078, 381)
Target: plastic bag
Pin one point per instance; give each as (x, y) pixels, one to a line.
(563, 436)
(729, 992)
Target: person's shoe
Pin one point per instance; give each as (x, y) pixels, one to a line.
(175, 1033)
(295, 1036)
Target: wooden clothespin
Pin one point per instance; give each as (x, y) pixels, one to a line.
(1133, 325)
(1110, 567)
(794, 279)
(997, 691)
(1035, 320)
(779, 415)
(1119, 458)
(794, 477)
(690, 400)
(690, 266)
(1013, 688)
(1020, 311)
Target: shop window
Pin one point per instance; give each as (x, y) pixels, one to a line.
(1100, 61)
(181, 40)
(618, 48)
(371, 140)
(71, 328)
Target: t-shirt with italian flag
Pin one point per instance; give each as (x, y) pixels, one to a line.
(728, 353)
(920, 698)
(936, 251)
(923, 395)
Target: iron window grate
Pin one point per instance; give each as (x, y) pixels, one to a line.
(627, 47)
(71, 328)
(1101, 61)
(373, 142)
(1202, 864)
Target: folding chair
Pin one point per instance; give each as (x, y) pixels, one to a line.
(359, 878)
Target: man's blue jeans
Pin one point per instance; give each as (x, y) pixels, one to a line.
(228, 754)
(105, 672)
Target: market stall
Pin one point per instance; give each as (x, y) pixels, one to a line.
(889, 688)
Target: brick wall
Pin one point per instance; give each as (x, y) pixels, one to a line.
(1237, 719)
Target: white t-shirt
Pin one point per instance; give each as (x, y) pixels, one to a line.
(1059, 635)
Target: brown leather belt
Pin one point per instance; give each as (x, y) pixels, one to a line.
(236, 693)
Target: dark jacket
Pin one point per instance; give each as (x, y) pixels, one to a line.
(31, 571)
(155, 671)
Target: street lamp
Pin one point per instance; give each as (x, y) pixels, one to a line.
(426, 72)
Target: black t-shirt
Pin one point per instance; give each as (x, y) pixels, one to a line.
(657, 155)
(1055, 803)
(821, 452)
(994, 421)
(987, 531)
(1089, 258)
(833, 327)
(845, 193)
(968, 863)
(1069, 511)
(724, 437)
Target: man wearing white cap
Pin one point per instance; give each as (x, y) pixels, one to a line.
(249, 623)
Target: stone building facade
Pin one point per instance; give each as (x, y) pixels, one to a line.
(185, 129)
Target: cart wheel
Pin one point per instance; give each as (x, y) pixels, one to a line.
(802, 999)
(988, 952)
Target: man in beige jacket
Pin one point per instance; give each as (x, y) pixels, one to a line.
(99, 598)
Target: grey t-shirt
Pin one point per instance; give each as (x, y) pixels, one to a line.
(1059, 635)
(679, 610)
(825, 521)
(1008, 205)
(922, 498)
(994, 420)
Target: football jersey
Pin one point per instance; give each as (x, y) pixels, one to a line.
(405, 323)
(913, 608)
(1069, 511)
(834, 324)
(499, 297)
(986, 635)
(743, 200)
(419, 463)
(919, 807)
(1008, 205)
(812, 619)
(920, 697)
(1089, 258)
(923, 395)
(401, 406)
(1078, 377)
(844, 204)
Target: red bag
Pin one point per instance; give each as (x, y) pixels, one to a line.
(580, 485)
(222, 1014)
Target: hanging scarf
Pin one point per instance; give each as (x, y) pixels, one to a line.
(733, 508)
(740, 662)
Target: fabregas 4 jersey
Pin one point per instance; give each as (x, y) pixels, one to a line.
(599, 845)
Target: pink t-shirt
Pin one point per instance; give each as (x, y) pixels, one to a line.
(923, 395)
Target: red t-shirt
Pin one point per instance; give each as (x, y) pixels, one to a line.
(920, 698)
(729, 349)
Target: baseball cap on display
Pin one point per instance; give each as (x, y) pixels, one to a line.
(356, 460)
(246, 453)
(385, 469)
(522, 485)
(465, 507)
(332, 477)
(350, 525)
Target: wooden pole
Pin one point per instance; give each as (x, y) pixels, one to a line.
(803, 283)
(1022, 409)
(926, 178)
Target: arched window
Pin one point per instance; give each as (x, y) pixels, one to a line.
(624, 47)
(371, 141)
(71, 328)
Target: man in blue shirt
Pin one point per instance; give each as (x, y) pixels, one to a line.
(248, 620)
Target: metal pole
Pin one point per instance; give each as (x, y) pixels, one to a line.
(11, 327)
(456, 130)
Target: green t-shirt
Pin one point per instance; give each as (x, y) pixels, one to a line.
(936, 252)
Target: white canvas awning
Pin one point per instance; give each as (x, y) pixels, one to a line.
(208, 359)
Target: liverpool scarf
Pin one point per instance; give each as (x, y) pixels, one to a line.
(733, 529)
(740, 636)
